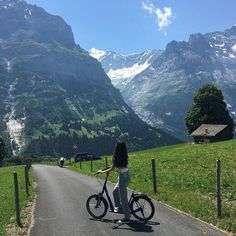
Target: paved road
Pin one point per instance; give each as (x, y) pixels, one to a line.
(60, 211)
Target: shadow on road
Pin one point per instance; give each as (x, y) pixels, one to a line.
(134, 225)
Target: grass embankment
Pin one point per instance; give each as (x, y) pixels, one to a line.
(7, 195)
(186, 178)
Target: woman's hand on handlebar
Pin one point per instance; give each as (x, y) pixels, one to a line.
(98, 172)
(104, 170)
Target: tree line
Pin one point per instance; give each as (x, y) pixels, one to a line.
(3, 150)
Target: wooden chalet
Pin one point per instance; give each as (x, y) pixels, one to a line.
(208, 133)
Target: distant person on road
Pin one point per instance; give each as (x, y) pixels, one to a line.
(61, 161)
(120, 162)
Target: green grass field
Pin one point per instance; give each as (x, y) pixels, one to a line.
(7, 197)
(186, 178)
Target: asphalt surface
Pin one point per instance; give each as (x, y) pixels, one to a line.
(60, 211)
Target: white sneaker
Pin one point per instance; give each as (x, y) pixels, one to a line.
(124, 221)
(117, 210)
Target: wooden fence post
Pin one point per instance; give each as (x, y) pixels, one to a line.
(17, 204)
(91, 163)
(154, 175)
(28, 168)
(106, 161)
(218, 192)
(26, 181)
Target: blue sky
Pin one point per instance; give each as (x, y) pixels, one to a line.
(128, 26)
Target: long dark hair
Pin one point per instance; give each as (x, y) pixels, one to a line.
(120, 155)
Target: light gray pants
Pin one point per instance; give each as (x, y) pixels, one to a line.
(120, 193)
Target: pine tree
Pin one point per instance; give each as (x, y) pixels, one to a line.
(3, 152)
(209, 108)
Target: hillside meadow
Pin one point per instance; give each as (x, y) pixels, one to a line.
(7, 197)
(186, 176)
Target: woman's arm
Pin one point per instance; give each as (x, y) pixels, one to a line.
(109, 169)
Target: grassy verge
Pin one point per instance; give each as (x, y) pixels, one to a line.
(186, 178)
(7, 197)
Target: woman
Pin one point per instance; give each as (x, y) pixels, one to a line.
(120, 162)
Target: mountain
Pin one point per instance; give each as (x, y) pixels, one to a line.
(163, 92)
(121, 69)
(54, 94)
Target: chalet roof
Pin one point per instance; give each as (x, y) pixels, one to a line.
(208, 130)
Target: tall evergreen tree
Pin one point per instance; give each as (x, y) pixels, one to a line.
(3, 152)
(209, 108)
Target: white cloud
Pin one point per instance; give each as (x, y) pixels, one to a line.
(149, 7)
(234, 48)
(164, 17)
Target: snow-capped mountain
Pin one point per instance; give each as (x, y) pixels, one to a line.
(121, 69)
(163, 90)
(162, 94)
